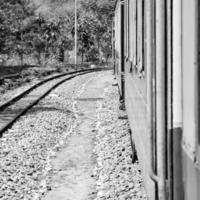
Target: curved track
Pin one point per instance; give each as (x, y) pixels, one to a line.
(13, 109)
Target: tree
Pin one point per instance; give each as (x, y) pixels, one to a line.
(28, 29)
(96, 18)
(14, 14)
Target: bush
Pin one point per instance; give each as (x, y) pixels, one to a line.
(92, 55)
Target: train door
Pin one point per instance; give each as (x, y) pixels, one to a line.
(191, 98)
(167, 99)
(150, 71)
(159, 85)
(174, 101)
(157, 61)
(135, 96)
(140, 37)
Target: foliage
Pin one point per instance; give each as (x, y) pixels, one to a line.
(24, 31)
(96, 17)
(92, 55)
(94, 23)
(43, 28)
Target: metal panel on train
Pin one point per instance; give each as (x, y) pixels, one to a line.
(157, 47)
(190, 66)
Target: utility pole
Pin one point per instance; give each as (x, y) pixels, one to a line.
(75, 38)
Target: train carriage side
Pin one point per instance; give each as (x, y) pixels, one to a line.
(150, 92)
(158, 55)
(190, 14)
(129, 66)
(182, 99)
(135, 86)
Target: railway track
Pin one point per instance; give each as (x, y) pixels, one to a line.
(13, 109)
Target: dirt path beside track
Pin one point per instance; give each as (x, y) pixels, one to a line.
(73, 165)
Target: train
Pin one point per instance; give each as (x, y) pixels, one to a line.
(156, 62)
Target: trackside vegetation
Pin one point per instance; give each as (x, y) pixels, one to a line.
(40, 31)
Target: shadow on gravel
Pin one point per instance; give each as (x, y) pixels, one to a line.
(9, 115)
(39, 109)
(47, 109)
(88, 99)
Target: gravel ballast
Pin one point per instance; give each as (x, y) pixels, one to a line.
(27, 149)
(117, 177)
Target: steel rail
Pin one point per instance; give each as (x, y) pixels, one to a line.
(74, 74)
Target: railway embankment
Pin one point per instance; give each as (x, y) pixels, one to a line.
(72, 144)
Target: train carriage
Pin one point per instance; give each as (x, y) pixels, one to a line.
(156, 62)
